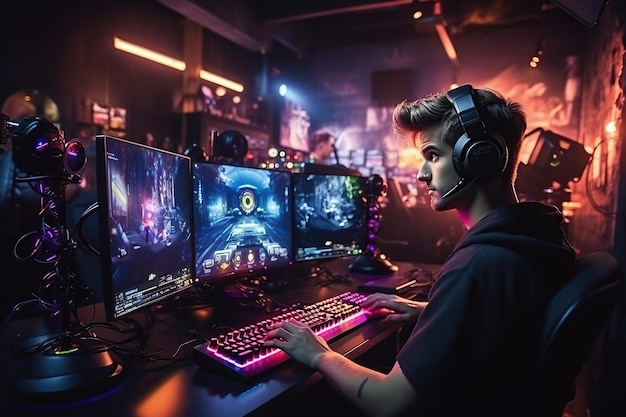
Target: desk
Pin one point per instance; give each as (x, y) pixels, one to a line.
(181, 387)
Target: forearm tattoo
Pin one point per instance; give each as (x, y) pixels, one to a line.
(358, 394)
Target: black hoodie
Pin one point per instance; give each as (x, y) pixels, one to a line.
(471, 348)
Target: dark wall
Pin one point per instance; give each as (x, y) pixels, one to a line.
(65, 49)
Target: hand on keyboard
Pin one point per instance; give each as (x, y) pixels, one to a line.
(393, 307)
(243, 353)
(298, 341)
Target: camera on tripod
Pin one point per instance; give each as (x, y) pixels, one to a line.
(39, 147)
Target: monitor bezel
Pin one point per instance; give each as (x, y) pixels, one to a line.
(102, 161)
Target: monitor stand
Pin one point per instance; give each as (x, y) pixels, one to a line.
(66, 372)
(370, 265)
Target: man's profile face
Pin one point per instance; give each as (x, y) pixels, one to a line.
(326, 149)
(437, 170)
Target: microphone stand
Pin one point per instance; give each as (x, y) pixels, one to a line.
(70, 366)
(373, 262)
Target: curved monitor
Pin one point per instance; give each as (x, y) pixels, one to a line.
(329, 216)
(144, 211)
(242, 220)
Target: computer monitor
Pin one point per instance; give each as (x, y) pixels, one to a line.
(329, 216)
(242, 218)
(145, 224)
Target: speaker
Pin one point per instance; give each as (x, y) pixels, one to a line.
(479, 154)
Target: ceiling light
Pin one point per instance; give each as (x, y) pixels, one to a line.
(177, 64)
(142, 52)
(224, 82)
(610, 127)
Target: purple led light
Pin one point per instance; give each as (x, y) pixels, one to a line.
(41, 144)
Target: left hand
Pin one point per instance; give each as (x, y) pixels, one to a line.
(298, 341)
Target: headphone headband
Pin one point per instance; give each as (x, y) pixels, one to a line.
(479, 154)
(463, 102)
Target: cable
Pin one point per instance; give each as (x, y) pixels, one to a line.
(79, 228)
(588, 187)
(254, 295)
(35, 250)
(326, 276)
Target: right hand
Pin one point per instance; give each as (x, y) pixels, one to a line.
(393, 307)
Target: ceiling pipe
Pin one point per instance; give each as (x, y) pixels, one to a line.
(340, 10)
(441, 27)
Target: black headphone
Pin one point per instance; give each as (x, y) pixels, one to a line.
(479, 154)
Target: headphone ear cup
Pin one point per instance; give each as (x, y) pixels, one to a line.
(479, 154)
(480, 159)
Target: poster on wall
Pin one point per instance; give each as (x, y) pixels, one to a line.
(294, 127)
(550, 97)
(100, 115)
(117, 118)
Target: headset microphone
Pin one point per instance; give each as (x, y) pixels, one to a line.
(336, 154)
(454, 189)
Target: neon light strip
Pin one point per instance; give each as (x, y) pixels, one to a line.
(142, 52)
(177, 64)
(224, 82)
(448, 46)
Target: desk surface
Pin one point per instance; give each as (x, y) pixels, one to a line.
(166, 387)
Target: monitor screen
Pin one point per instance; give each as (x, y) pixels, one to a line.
(144, 211)
(242, 218)
(329, 216)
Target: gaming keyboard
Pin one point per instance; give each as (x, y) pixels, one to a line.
(240, 353)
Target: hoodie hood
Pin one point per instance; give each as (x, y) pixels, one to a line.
(532, 229)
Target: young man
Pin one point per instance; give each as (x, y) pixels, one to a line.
(472, 344)
(322, 147)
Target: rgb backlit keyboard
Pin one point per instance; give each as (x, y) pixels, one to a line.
(241, 353)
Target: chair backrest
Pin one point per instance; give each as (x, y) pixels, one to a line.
(574, 319)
